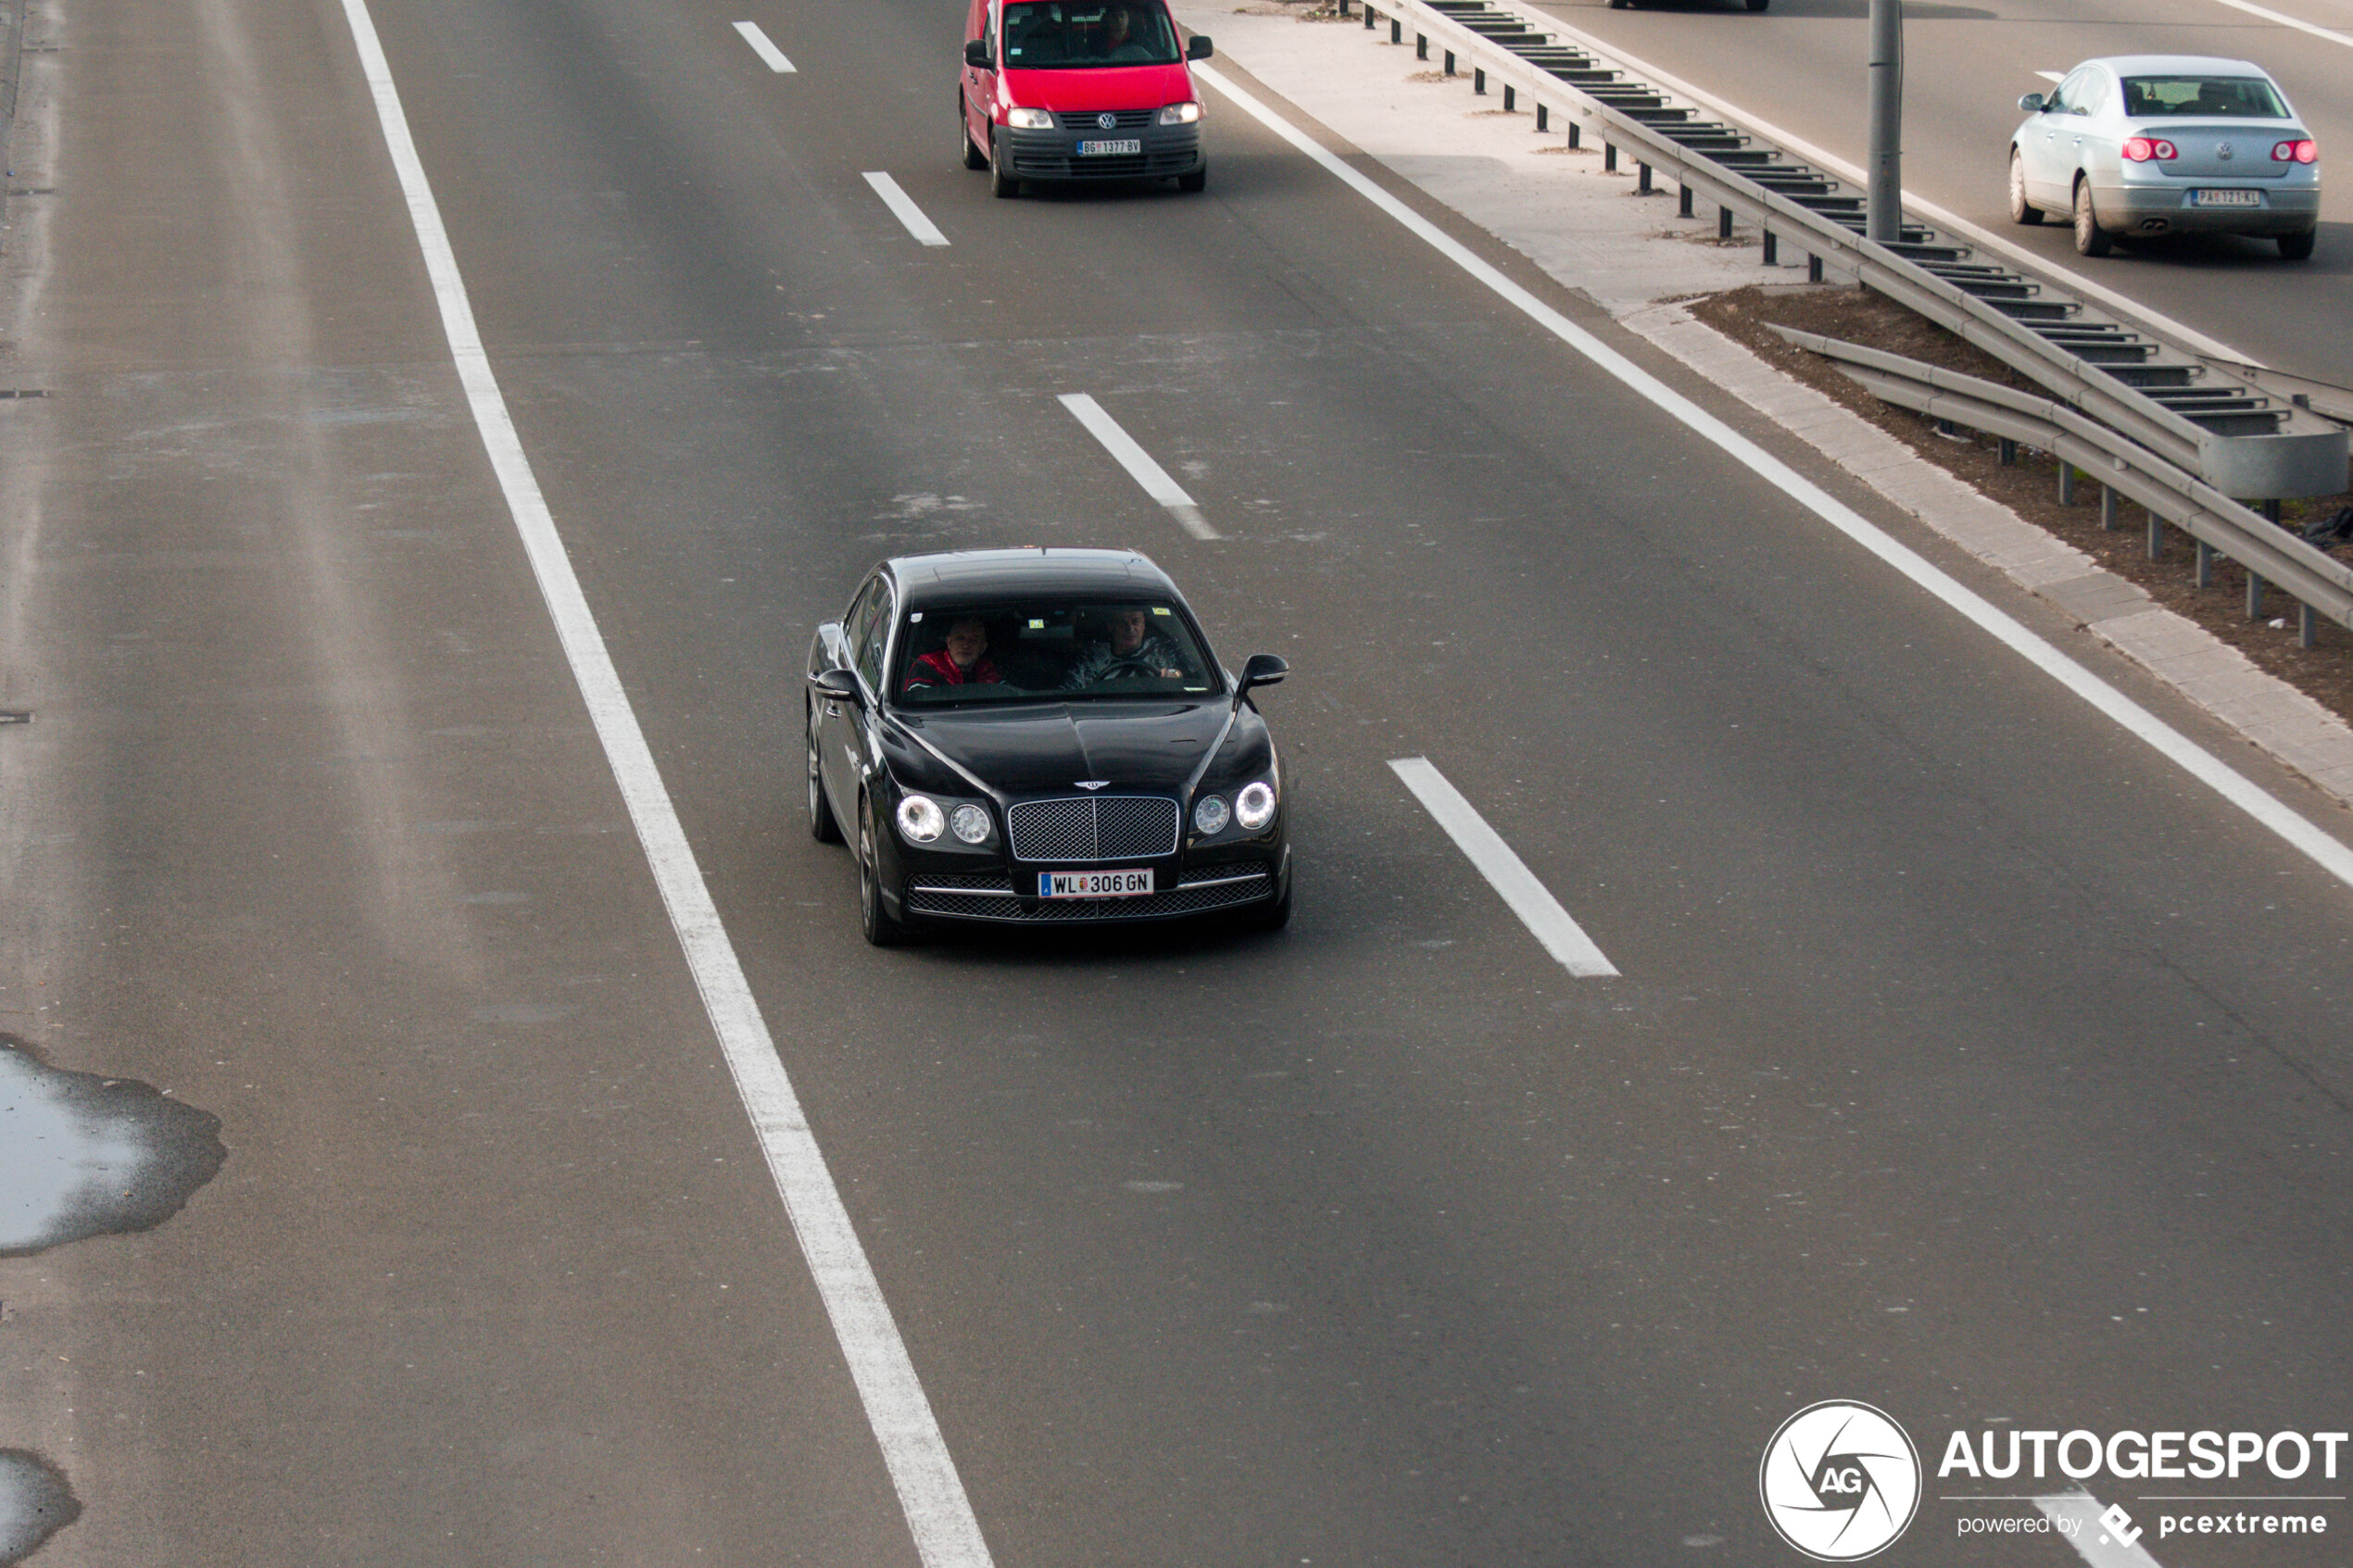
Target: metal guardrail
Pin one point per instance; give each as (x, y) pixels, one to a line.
(2170, 494)
(2324, 398)
(2076, 359)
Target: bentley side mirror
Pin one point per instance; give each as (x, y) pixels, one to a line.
(1261, 669)
(2032, 102)
(1198, 49)
(976, 54)
(836, 685)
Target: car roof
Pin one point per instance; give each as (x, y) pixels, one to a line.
(1085, 573)
(2179, 65)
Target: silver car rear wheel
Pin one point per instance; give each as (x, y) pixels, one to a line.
(2090, 238)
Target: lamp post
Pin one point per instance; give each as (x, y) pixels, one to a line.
(1884, 213)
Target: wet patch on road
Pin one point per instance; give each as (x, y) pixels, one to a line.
(83, 1156)
(35, 1503)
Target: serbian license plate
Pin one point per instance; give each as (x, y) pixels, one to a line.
(1109, 149)
(2226, 198)
(1094, 885)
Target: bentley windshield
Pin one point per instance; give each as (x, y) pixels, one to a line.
(961, 655)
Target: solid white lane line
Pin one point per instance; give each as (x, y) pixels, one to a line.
(1139, 464)
(772, 56)
(2092, 1540)
(902, 206)
(931, 1495)
(2286, 20)
(1529, 899)
(2169, 743)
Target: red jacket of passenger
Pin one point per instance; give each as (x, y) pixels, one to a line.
(937, 668)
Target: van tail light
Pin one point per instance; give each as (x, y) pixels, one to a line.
(2296, 152)
(2142, 149)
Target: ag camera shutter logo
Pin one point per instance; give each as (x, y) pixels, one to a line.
(1840, 1481)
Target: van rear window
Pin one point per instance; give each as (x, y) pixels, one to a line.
(1063, 35)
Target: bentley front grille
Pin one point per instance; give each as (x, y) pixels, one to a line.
(1118, 827)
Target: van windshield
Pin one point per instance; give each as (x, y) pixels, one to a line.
(955, 655)
(1061, 35)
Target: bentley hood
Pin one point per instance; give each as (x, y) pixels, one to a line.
(1035, 750)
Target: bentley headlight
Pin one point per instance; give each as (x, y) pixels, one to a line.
(919, 818)
(1030, 120)
(1210, 814)
(1181, 113)
(1254, 808)
(968, 823)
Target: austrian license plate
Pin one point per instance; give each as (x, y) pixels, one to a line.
(1109, 149)
(2226, 198)
(1094, 885)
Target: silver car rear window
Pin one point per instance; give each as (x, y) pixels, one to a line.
(2204, 97)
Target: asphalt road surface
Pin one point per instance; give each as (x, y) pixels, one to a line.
(1965, 1057)
(1804, 66)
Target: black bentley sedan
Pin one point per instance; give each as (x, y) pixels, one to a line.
(1041, 736)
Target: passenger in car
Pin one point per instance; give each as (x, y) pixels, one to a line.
(963, 661)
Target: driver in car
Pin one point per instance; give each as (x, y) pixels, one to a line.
(1133, 653)
(1113, 40)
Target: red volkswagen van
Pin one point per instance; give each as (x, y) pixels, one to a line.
(1080, 90)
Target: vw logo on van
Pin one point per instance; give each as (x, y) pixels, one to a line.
(1108, 122)
(2226, 151)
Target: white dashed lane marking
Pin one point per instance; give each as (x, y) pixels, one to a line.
(1139, 464)
(1528, 897)
(903, 207)
(769, 53)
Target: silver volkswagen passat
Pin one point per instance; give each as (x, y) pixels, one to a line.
(2137, 145)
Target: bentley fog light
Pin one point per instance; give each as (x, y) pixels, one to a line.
(1254, 808)
(1210, 814)
(919, 818)
(968, 823)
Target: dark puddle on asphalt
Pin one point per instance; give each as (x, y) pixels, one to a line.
(35, 1503)
(81, 1156)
